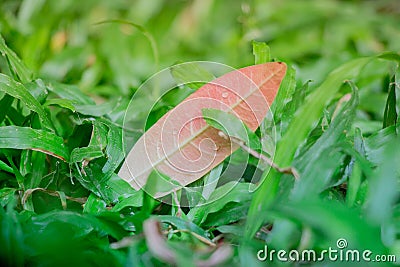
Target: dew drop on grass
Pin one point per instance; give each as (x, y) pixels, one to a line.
(225, 95)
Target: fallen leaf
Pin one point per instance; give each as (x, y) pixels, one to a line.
(183, 146)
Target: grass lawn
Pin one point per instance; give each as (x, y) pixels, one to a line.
(314, 182)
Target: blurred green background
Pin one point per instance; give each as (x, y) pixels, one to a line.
(62, 40)
(109, 48)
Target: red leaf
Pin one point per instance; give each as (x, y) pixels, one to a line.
(181, 144)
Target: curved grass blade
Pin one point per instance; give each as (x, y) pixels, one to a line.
(390, 115)
(15, 137)
(69, 92)
(5, 167)
(17, 67)
(17, 90)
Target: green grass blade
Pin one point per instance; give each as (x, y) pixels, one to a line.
(85, 153)
(5, 167)
(17, 90)
(97, 110)
(303, 122)
(69, 92)
(16, 65)
(290, 108)
(15, 137)
(63, 103)
(191, 75)
(375, 144)
(305, 119)
(11, 237)
(285, 95)
(310, 112)
(383, 186)
(231, 126)
(211, 181)
(114, 149)
(36, 172)
(182, 224)
(5, 104)
(334, 220)
(219, 199)
(355, 178)
(390, 115)
(261, 52)
(135, 200)
(317, 166)
(7, 195)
